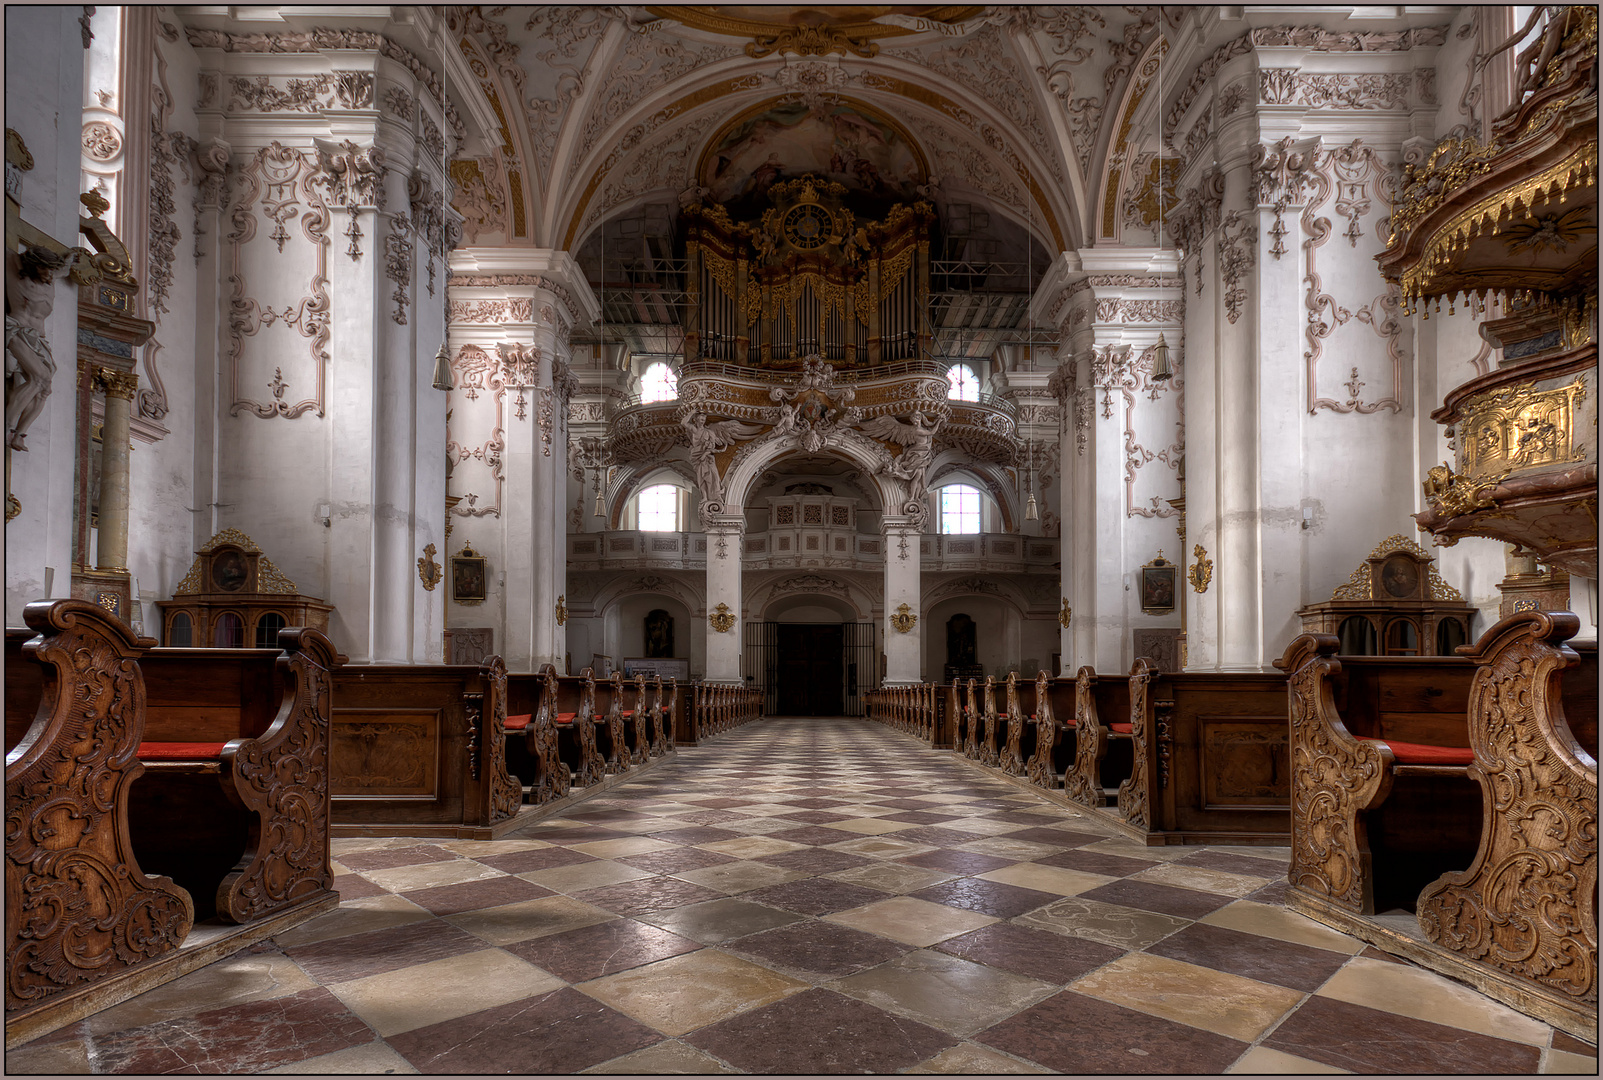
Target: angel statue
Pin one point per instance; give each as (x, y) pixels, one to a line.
(706, 441)
(917, 442)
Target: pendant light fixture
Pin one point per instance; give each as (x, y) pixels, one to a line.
(1161, 371)
(1031, 511)
(443, 380)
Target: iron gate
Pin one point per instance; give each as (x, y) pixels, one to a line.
(858, 663)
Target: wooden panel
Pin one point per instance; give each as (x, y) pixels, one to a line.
(24, 687)
(1245, 763)
(387, 753)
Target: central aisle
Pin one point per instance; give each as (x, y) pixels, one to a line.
(809, 896)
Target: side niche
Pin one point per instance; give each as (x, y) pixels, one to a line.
(1394, 604)
(235, 598)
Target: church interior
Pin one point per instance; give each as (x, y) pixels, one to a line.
(925, 538)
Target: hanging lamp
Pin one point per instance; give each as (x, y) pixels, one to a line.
(443, 380)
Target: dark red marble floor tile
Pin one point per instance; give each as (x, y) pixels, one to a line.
(357, 956)
(355, 886)
(1019, 817)
(955, 862)
(1072, 1033)
(907, 804)
(1095, 862)
(532, 859)
(557, 1033)
(1380, 954)
(1063, 838)
(1365, 1040)
(582, 834)
(812, 802)
(711, 817)
(815, 860)
(591, 952)
(724, 803)
(1571, 1045)
(646, 894)
(1284, 963)
(997, 804)
(386, 858)
(920, 817)
(1167, 899)
(1036, 954)
(987, 897)
(674, 860)
(1273, 893)
(814, 817)
(473, 895)
(1232, 863)
(814, 896)
(696, 834)
(816, 835)
(820, 1032)
(245, 1038)
(817, 950)
(939, 835)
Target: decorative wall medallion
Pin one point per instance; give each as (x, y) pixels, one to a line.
(721, 619)
(562, 610)
(101, 141)
(1201, 573)
(904, 620)
(1066, 614)
(429, 570)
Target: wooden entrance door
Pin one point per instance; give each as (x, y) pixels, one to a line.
(810, 671)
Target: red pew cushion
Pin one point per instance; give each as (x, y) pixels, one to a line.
(180, 751)
(626, 713)
(1408, 753)
(519, 722)
(566, 717)
(1122, 729)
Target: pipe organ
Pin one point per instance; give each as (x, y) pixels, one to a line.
(808, 278)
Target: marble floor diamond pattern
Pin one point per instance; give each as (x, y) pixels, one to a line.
(809, 896)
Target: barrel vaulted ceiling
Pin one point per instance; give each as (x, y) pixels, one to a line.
(587, 112)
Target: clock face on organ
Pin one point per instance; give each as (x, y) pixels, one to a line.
(807, 226)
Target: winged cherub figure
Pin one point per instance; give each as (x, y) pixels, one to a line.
(917, 442)
(706, 441)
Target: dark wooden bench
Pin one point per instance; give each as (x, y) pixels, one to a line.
(533, 755)
(576, 724)
(1051, 746)
(1102, 738)
(986, 720)
(80, 910)
(612, 729)
(234, 803)
(420, 750)
(1382, 800)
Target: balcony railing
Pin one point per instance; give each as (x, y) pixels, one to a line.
(785, 547)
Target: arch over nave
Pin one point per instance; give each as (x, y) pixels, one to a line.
(1150, 234)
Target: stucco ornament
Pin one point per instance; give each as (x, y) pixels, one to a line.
(428, 570)
(903, 620)
(721, 619)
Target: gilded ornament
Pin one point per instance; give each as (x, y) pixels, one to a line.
(1066, 614)
(903, 620)
(1201, 573)
(721, 619)
(428, 569)
(1520, 427)
(1453, 495)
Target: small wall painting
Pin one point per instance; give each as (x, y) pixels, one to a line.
(467, 576)
(1157, 586)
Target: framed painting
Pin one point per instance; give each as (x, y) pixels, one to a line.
(1158, 582)
(467, 576)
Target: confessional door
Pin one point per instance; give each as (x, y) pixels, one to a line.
(811, 671)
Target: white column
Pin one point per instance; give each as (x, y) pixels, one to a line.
(903, 651)
(725, 533)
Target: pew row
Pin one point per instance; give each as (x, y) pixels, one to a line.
(420, 750)
(912, 710)
(717, 708)
(1517, 916)
(86, 926)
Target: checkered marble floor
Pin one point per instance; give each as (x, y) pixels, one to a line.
(809, 896)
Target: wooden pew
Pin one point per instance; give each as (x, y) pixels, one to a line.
(577, 745)
(234, 804)
(969, 724)
(420, 750)
(612, 731)
(1382, 799)
(641, 719)
(533, 754)
(661, 710)
(1102, 737)
(1526, 907)
(80, 910)
(1046, 762)
(988, 719)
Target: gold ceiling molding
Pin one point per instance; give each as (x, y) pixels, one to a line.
(1113, 181)
(804, 31)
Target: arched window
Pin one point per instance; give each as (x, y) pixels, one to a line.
(659, 383)
(960, 509)
(180, 632)
(965, 384)
(659, 509)
(228, 632)
(267, 628)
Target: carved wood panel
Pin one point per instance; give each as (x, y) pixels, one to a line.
(1135, 793)
(1528, 903)
(1245, 763)
(78, 908)
(988, 754)
(505, 793)
(386, 753)
(1082, 782)
(1039, 768)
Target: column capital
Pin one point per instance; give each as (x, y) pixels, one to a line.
(118, 384)
(517, 271)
